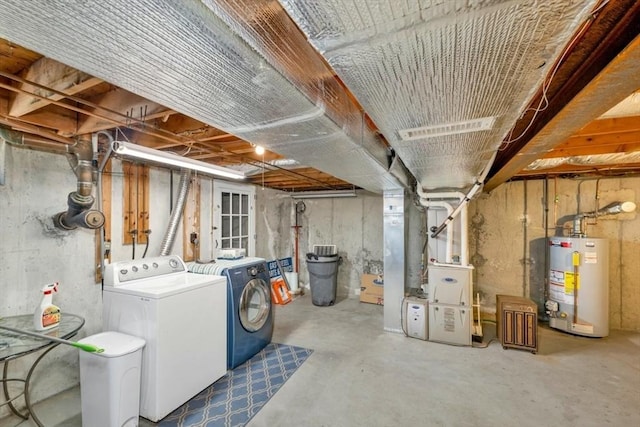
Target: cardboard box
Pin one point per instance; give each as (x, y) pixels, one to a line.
(372, 289)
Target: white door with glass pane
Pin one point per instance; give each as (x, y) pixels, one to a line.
(233, 219)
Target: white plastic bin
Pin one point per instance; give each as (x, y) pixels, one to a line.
(110, 381)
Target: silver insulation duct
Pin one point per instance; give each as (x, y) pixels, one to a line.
(182, 55)
(176, 214)
(430, 67)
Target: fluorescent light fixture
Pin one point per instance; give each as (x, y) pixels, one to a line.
(323, 194)
(128, 149)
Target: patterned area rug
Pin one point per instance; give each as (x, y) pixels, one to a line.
(235, 398)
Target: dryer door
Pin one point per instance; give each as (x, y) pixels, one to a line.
(255, 304)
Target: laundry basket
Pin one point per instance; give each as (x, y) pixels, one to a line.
(322, 265)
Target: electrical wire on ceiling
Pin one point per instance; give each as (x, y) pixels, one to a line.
(547, 82)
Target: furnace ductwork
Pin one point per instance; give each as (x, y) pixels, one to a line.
(186, 56)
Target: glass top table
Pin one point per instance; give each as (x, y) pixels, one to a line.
(14, 345)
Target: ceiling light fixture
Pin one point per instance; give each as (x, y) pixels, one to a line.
(323, 194)
(259, 150)
(128, 149)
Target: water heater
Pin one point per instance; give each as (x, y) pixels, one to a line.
(579, 285)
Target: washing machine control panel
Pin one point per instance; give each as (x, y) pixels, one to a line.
(254, 270)
(122, 272)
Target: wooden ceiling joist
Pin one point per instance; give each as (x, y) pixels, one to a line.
(51, 74)
(613, 84)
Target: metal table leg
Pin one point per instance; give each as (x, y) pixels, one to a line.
(27, 397)
(9, 399)
(25, 391)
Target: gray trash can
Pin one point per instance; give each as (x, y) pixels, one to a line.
(110, 381)
(323, 278)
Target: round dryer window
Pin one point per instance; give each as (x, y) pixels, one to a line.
(255, 303)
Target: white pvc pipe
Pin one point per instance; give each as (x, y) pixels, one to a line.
(474, 189)
(429, 199)
(464, 236)
(439, 195)
(449, 242)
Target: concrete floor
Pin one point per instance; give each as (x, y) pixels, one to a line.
(360, 375)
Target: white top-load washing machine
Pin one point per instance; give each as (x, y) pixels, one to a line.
(182, 317)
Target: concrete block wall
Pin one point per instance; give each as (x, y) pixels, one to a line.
(507, 239)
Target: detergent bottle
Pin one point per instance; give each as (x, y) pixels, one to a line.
(47, 315)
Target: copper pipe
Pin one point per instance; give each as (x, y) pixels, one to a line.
(35, 130)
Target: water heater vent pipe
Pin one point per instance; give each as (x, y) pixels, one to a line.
(614, 208)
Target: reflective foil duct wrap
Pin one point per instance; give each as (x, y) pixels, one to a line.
(429, 63)
(182, 55)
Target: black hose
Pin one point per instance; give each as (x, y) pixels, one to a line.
(146, 248)
(133, 243)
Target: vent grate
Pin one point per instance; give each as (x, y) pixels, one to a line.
(476, 125)
(325, 250)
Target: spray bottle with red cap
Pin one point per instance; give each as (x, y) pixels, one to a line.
(47, 315)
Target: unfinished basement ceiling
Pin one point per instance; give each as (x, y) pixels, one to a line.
(423, 64)
(341, 93)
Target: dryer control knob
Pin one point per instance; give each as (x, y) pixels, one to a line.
(253, 271)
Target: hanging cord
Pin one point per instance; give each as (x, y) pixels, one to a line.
(402, 317)
(485, 345)
(548, 79)
(133, 243)
(146, 248)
